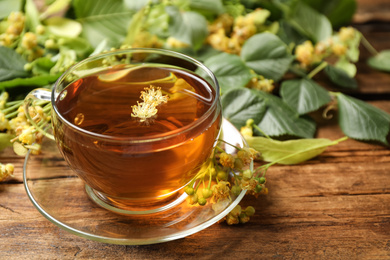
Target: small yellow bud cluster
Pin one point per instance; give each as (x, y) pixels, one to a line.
(6, 170)
(145, 39)
(28, 45)
(223, 176)
(29, 40)
(175, 43)
(152, 97)
(305, 54)
(237, 215)
(228, 34)
(261, 83)
(15, 27)
(308, 54)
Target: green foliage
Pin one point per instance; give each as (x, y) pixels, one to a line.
(188, 27)
(362, 121)
(267, 55)
(230, 71)
(11, 64)
(340, 77)
(32, 15)
(8, 6)
(338, 12)
(240, 104)
(291, 151)
(308, 21)
(31, 82)
(103, 19)
(281, 120)
(381, 61)
(304, 95)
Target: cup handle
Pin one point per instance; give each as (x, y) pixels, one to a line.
(39, 94)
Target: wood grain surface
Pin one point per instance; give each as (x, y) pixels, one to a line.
(335, 206)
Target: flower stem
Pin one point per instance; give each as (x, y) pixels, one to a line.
(223, 141)
(317, 69)
(368, 46)
(261, 131)
(14, 106)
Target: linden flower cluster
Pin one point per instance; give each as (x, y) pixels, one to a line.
(15, 26)
(261, 83)
(308, 54)
(26, 43)
(152, 97)
(24, 134)
(14, 121)
(228, 34)
(6, 170)
(225, 175)
(238, 215)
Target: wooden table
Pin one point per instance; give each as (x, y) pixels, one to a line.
(336, 206)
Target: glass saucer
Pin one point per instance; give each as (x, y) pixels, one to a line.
(60, 196)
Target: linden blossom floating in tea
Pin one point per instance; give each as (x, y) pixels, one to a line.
(152, 97)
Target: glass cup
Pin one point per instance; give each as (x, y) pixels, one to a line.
(135, 157)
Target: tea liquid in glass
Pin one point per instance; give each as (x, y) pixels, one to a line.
(134, 159)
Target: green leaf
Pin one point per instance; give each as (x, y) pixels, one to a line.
(5, 140)
(280, 119)
(8, 6)
(36, 81)
(103, 19)
(267, 55)
(289, 35)
(54, 8)
(291, 151)
(241, 104)
(188, 27)
(381, 61)
(338, 12)
(79, 45)
(346, 66)
(11, 64)
(309, 22)
(230, 71)
(340, 77)
(362, 121)
(63, 27)
(136, 5)
(304, 95)
(42, 66)
(32, 16)
(207, 7)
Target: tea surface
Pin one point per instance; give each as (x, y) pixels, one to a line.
(102, 103)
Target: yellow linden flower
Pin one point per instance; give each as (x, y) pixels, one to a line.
(346, 33)
(304, 53)
(227, 160)
(152, 97)
(144, 111)
(6, 170)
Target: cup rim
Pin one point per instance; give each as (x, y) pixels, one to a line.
(151, 138)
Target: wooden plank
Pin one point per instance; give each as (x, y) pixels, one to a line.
(372, 10)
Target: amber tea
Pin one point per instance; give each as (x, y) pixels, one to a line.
(128, 158)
